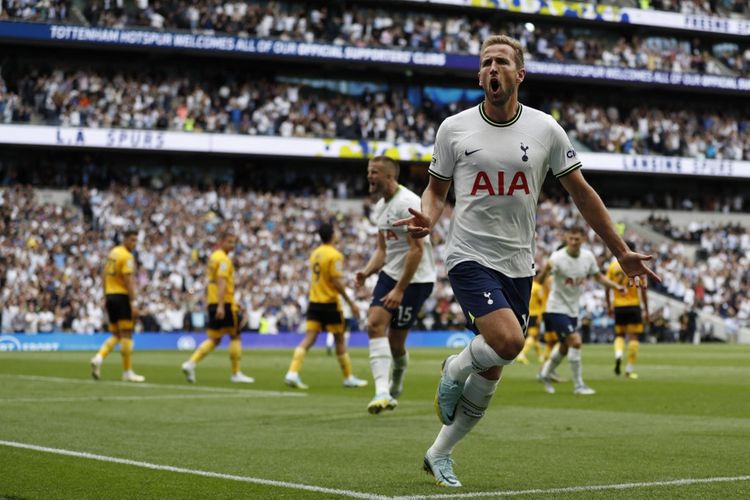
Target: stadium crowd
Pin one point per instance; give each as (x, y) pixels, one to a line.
(79, 98)
(255, 107)
(643, 129)
(386, 28)
(51, 258)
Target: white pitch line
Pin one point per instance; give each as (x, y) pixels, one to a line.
(247, 392)
(576, 489)
(194, 472)
(164, 397)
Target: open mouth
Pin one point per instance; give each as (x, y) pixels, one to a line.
(494, 84)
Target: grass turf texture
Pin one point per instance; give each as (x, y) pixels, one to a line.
(687, 417)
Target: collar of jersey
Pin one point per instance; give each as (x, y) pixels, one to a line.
(500, 124)
(394, 195)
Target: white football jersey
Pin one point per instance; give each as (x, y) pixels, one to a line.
(568, 275)
(396, 245)
(497, 171)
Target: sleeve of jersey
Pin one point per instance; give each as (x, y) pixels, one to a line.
(443, 156)
(563, 159)
(222, 270)
(337, 266)
(127, 265)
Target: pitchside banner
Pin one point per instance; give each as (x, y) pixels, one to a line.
(153, 140)
(19, 342)
(67, 34)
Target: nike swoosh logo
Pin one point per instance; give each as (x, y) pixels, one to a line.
(469, 153)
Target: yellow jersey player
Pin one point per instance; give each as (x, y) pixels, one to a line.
(630, 310)
(536, 308)
(324, 312)
(119, 293)
(222, 312)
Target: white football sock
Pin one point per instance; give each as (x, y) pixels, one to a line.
(380, 363)
(574, 358)
(400, 364)
(475, 399)
(554, 360)
(476, 357)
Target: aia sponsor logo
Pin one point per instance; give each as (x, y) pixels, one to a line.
(483, 183)
(390, 234)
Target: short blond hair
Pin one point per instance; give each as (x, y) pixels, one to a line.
(505, 40)
(389, 163)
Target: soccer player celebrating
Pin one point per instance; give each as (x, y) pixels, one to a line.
(119, 292)
(569, 268)
(324, 312)
(222, 312)
(630, 317)
(407, 275)
(497, 155)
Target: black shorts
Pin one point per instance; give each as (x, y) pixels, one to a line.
(481, 290)
(229, 320)
(325, 313)
(404, 316)
(628, 315)
(533, 321)
(118, 308)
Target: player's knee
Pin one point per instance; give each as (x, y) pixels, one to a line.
(375, 327)
(506, 346)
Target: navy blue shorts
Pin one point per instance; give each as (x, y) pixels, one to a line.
(481, 290)
(562, 324)
(414, 296)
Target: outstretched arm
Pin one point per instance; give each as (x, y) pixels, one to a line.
(420, 224)
(595, 213)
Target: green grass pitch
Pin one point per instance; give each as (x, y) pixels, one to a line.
(686, 418)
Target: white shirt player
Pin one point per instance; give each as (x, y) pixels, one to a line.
(497, 171)
(385, 214)
(568, 275)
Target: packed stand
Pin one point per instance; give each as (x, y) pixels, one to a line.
(296, 108)
(642, 129)
(51, 258)
(35, 10)
(255, 107)
(380, 28)
(721, 8)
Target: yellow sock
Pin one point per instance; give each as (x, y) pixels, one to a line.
(619, 346)
(126, 350)
(547, 351)
(632, 351)
(107, 347)
(346, 364)
(297, 359)
(203, 349)
(235, 353)
(527, 345)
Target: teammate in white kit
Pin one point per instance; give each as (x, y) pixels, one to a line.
(497, 155)
(569, 267)
(407, 275)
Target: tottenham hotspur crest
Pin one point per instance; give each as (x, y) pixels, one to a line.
(525, 157)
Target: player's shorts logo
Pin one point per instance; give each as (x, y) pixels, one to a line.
(488, 295)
